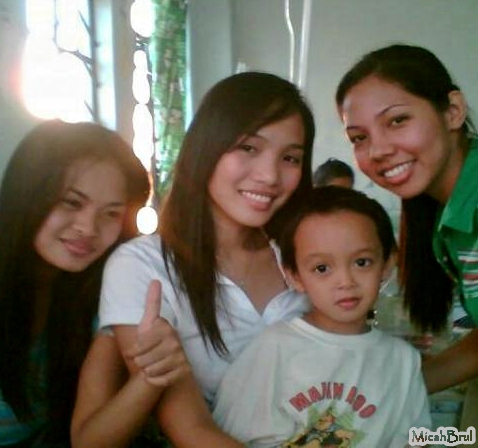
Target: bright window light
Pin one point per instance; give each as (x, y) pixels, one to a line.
(147, 220)
(57, 76)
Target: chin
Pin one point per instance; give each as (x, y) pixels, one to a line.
(75, 265)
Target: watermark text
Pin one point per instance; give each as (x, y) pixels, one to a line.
(448, 436)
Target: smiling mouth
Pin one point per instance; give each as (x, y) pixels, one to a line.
(262, 198)
(397, 170)
(78, 249)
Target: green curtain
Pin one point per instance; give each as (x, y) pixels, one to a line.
(167, 52)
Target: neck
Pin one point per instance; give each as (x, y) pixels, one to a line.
(314, 318)
(247, 239)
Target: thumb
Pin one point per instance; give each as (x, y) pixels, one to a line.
(153, 306)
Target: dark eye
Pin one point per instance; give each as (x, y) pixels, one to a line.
(245, 147)
(398, 120)
(71, 203)
(363, 262)
(114, 214)
(293, 159)
(354, 139)
(321, 268)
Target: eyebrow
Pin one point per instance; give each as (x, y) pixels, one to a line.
(362, 250)
(290, 145)
(378, 115)
(86, 198)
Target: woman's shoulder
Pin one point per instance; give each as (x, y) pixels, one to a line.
(142, 252)
(143, 245)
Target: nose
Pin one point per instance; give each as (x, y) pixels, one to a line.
(86, 223)
(266, 169)
(380, 147)
(345, 278)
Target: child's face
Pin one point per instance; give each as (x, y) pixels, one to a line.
(88, 218)
(258, 174)
(340, 265)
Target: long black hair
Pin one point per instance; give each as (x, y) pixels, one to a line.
(32, 185)
(235, 106)
(427, 288)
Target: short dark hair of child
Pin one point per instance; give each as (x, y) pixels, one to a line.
(331, 199)
(331, 169)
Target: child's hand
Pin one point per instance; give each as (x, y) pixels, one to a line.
(158, 351)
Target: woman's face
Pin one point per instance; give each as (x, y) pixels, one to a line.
(258, 174)
(88, 218)
(400, 141)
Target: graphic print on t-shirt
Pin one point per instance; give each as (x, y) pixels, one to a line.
(328, 429)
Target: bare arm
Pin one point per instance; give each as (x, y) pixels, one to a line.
(186, 420)
(454, 365)
(102, 415)
(182, 412)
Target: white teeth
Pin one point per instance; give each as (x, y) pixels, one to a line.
(397, 170)
(257, 197)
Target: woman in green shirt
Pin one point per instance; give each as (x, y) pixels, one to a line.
(411, 135)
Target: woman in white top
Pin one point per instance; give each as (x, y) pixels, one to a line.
(244, 160)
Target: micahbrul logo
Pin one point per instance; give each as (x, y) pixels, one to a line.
(448, 436)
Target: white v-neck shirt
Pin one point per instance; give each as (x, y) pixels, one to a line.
(126, 278)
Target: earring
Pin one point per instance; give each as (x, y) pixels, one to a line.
(372, 318)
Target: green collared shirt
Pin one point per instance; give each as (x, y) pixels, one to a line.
(455, 239)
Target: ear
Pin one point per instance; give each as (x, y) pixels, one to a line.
(294, 279)
(457, 110)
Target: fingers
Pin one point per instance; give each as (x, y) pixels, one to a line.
(168, 378)
(165, 361)
(153, 307)
(158, 351)
(157, 344)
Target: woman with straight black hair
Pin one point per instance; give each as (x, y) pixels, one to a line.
(245, 159)
(408, 124)
(69, 194)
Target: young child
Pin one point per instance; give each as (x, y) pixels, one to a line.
(326, 376)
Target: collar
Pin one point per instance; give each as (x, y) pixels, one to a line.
(457, 212)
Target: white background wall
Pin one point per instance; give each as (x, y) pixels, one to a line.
(341, 31)
(226, 32)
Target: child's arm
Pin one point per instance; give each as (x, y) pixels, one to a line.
(109, 415)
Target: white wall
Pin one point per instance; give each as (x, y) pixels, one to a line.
(226, 32)
(341, 31)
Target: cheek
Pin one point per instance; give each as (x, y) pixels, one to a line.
(52, 224)
(110, 233)
(39, 241)
(363, 161)
(291, 180)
